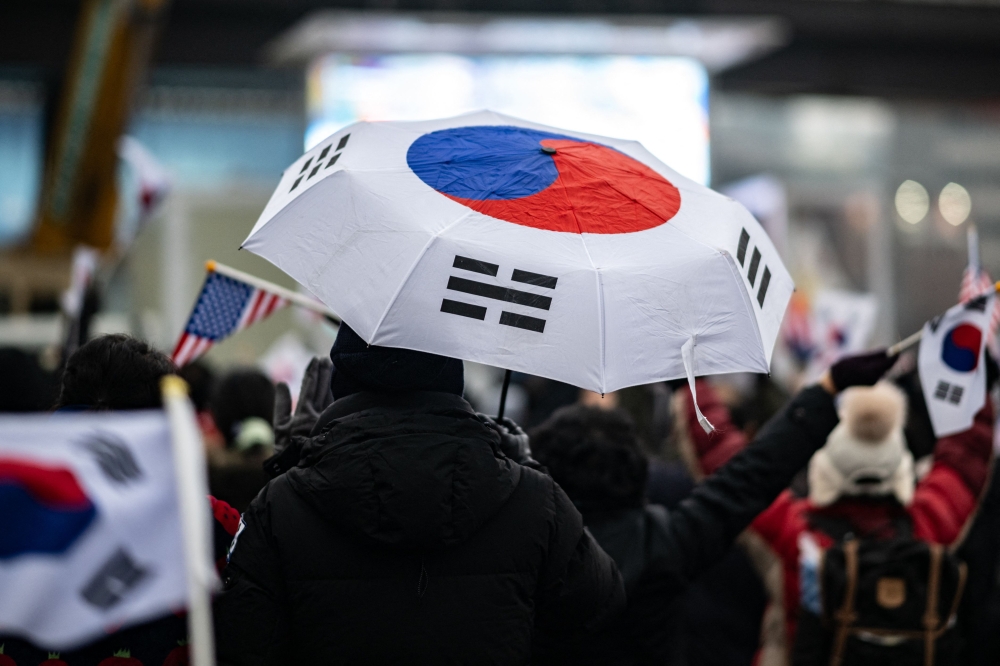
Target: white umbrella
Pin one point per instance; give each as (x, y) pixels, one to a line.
(492, 239)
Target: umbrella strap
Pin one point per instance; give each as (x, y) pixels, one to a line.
(687, 355)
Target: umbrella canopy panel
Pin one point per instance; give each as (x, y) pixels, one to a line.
(562, 254)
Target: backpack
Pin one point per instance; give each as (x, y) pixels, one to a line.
(868, 602)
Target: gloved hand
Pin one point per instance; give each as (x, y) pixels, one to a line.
(314, 397)
(860, 370)
(514, 442)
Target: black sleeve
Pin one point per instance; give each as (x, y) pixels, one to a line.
(580, 588)
(250, 623)
(703, 527)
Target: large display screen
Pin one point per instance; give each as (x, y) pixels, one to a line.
(661, 102)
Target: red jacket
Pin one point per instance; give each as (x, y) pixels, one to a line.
(944, 501)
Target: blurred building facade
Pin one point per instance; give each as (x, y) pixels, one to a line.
(842, 105)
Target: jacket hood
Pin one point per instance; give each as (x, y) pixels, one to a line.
(412, 470)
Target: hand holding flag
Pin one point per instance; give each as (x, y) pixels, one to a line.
(104, 523)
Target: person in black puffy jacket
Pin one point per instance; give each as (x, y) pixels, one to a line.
(404, 534)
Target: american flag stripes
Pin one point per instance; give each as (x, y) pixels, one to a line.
(976, 282)
(224, 306)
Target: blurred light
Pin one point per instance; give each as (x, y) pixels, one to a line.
(718, 43)
(660, 101)
(912, 201)
(954, 204)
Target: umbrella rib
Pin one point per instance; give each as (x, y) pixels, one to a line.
(737, 278)
(409, 272)
(747, 303)
(600, 283)
(600, 303)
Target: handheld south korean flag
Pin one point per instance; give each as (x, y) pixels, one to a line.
(952, 369)
(93, 528)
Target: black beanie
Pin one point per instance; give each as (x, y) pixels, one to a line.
(363, 367)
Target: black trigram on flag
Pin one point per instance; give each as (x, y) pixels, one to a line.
(978, 303)
(496, 292)
(115, 579)
(950, 392)
(113, 457)
(752, 269)
(319, 161)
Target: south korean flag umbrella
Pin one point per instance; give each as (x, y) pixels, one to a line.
(488, 238)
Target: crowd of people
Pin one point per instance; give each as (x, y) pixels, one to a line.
(384, 520)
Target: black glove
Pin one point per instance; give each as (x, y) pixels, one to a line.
(861, 370)
(514, 442)
(314, 397)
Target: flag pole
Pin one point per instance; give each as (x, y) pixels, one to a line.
(972, 243)
(503, 394)
(912, 340)
(192, 491)
(299, 299)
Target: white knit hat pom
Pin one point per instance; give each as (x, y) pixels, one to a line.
(871, 413)
(866, 453)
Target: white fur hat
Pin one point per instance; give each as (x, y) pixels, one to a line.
(866, 453)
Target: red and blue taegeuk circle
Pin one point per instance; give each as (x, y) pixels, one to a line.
(960, 348)
(43, 509)
(543, 180)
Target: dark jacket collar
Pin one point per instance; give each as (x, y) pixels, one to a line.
(402, 401)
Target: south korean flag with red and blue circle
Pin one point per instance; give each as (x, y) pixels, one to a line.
(952, 367)
(494, 239)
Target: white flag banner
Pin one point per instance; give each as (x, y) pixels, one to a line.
(842, 323)
(952, 370)
(90, 529)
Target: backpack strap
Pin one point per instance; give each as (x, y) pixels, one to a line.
(931, 618)
(846, 616)
(963, 573)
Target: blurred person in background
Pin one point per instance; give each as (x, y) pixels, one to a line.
(202, 380)
(594, 455)
(979, 614)
(722, 611)
(862, 486)
(113, 372)
(25, 386)
(242, 407)
(110, 373)
(403, 532)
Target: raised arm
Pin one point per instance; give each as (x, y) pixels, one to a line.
(946, 499)
(704, 526)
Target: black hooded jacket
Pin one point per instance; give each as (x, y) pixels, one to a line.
(406, 536)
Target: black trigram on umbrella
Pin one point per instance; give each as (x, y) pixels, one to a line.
(741, 256)
(319, 161)
(499, 293)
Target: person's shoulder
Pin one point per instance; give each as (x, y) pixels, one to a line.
(538, 494)
(534, 481)
(276, 494)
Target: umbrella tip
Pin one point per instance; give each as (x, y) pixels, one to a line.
(548, 150)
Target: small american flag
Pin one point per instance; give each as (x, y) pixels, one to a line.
(976, 282)
(224, 307)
